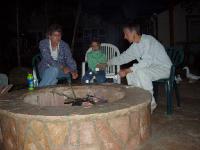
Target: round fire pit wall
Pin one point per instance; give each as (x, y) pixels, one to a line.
(39, 120)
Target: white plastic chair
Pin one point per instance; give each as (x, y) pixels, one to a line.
(110, 51)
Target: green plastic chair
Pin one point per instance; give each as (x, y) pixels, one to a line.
(35, 61)
(176, 56)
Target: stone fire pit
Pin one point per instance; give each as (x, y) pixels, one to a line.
(39, 120)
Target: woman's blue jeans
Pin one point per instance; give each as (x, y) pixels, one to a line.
(3, 79)
(100, 76)
(50, 75)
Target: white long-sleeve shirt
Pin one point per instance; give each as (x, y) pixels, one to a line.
(147, 52)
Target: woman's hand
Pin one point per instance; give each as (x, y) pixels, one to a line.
(124, 72)
(74, 75)
(66, 70)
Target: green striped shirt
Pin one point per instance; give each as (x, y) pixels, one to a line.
(94, 58)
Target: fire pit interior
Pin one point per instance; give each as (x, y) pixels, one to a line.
(74, 96)
(117, 118)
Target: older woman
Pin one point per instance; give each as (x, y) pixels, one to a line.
(57, 59)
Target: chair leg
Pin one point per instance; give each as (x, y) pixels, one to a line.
(169, 98)
(155, 89)
(69, 80)
(177, 94)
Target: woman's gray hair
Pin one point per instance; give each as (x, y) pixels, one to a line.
(54, 28)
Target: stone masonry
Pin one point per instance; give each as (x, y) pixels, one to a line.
(118, 125)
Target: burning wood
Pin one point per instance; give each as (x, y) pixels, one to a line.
(79, 101)
(75, 101)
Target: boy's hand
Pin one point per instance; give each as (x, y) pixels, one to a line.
(74, 75)
(124, 72)
(101, 66)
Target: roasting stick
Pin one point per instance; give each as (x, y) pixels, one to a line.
(72, 90)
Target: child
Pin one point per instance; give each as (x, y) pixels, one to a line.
(96, 60)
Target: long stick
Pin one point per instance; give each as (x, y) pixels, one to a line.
(72, 90)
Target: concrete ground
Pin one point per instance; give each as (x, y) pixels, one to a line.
(180, 131)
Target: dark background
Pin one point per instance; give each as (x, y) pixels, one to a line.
(35, 16)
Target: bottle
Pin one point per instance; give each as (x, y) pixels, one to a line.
(30, 81)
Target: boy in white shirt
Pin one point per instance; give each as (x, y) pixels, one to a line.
(153, 61)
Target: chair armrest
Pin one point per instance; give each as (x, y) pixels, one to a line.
(34, 74)
(83, 68)
(119, 80)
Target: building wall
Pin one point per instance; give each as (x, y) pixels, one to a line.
(163, 28)
(189, 42)
(179, 24)
(180, 32)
